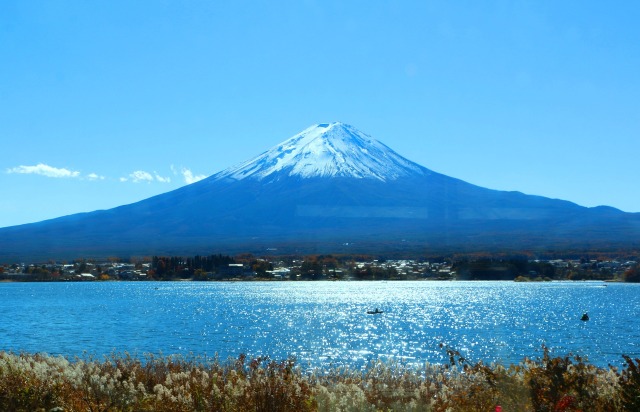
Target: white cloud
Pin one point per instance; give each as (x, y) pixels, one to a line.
(137, 176)
(162, 179)
(189, 177)
(94, 176)
(142, 176)
(44, 170)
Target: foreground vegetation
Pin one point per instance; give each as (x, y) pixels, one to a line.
(124, 383)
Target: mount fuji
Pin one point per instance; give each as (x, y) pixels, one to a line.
(327, 150)
(328, 189)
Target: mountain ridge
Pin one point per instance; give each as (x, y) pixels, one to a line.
(297, 197)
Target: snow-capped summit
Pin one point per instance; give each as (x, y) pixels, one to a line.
(327, 150)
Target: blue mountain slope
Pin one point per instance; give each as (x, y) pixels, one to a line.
(325, 188)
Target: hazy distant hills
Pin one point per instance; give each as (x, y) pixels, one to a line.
(329, 189)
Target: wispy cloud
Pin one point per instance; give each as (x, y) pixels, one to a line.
(138, 176)
(187, 174)
(45, 170)
(94, 176)
(162, 179)
(141, 176)
(189, 177)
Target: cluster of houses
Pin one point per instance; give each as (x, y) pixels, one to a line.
(78, 271)
(85, 271)
(401, 269)
(611, 265)
(393, 269)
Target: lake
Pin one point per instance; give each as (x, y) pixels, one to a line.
(324, 323)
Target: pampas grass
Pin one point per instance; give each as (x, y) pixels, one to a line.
(36, 382)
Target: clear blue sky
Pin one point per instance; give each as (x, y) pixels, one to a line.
(104, 103)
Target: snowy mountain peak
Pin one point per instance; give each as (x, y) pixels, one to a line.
(327, 150)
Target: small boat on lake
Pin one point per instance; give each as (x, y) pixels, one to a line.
(374, 312)
(584, 316)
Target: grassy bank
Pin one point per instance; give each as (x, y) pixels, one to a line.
(122, 383)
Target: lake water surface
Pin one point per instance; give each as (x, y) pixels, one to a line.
(324, 323)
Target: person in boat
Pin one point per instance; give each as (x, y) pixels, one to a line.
(585, 316)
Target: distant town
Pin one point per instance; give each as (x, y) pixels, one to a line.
(247, 267)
